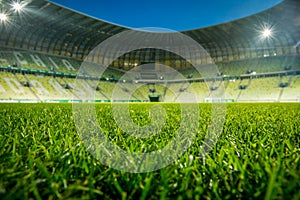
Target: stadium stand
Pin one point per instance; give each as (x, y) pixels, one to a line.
(292, 92)
(48, 88)
(256, 65)
(40, 61)
(43, 65)
(201, 90)
(41, 87)
(232, 90)
(15, 87)
(261, 89)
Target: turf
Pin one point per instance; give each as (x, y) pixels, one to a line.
(257, 155)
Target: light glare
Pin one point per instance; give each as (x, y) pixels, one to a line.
(267, 33)
(17, 6)
(3, 17)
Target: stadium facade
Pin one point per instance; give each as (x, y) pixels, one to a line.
(44, 45)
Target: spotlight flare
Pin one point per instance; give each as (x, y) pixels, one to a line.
(3, 17)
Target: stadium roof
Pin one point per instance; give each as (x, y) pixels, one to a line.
(48, 27)
(283, 19)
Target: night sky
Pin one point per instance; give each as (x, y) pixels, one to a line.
(176, 15)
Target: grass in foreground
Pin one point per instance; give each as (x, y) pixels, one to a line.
(257, 156)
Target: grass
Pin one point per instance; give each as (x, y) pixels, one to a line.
(256, 157)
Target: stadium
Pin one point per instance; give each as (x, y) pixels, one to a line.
(243, 76)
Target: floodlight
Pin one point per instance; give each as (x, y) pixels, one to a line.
(17, 6)
(267, 33)
(3, 17)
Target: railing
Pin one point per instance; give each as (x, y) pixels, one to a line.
(67, 101)
(102, 78)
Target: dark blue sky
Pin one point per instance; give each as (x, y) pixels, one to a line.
(171, 14)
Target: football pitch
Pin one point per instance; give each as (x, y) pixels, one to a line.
(256, 156)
